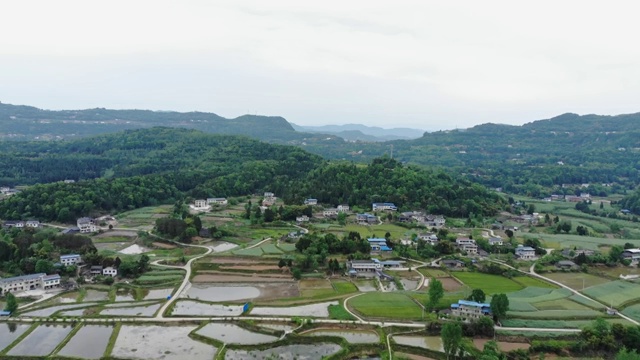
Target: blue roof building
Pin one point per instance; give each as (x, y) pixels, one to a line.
(470, 309)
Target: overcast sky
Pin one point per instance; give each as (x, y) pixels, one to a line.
(425, 64)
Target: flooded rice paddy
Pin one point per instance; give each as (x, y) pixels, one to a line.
(160, 342)
(288, 352)
(195, 308)
(9, 332)
(148, 310)
(124, 295)
(234, 334)
(315, 310)
(42, 341)
(214, 293)
(352, 336)
(90, 342)
(46, 312)
(95, 295)
(157, 294)
(68, 298)
(425, 342)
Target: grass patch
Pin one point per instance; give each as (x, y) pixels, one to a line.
(632, 311)
(386, 305)
(616, 293)
(556, 324)
(338, 312)
(556, 314)
(150, 279)
(286, 247)
(490, 284)
(531, 281)
(576, 280)
(555, 294)
(271, 249)
(249, 252)
(560, 304)
(343, 287)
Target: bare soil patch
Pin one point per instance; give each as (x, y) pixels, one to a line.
(413, 356)
(236, 260)
(315, 284)
(450, 284)
(212, 277)
(504, 346)
(114, 233)
(250, 267)
(163, 245)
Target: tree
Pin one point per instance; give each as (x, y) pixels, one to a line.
(499, 305)
(477, 295)
(12, 303)
(108, 280)
(436, 292)
(143, 263)
(44, 266)
(509, 233)
(615, 253)
(451, 338)
(625, 354)
(282, 263)
(117, 261)
(297, 273)
(531, 209)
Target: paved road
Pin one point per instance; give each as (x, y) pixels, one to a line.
(345, 302)
(260, 243)
(185, 282)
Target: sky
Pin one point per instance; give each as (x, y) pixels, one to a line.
(424, 64)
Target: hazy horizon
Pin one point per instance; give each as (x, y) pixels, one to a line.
(416, 64)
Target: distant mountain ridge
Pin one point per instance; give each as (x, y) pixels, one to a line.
(363, 132)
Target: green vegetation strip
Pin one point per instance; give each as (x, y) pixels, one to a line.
(491, 284)
(112, 340)
(386, 305)
(19, 339)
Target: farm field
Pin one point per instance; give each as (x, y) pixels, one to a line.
(386, 305)
(616, 293)
(560, 241)
(490, 284)
(144, 217)
(527, 281)
(576, 280)
(367, 231)
(632, 311)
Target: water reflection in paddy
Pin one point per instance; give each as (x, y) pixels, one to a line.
(234, 334)
(160, 342)
(42, 341)
(352, 336)
(216, 293)
(9, 332)
(90, 342)
(288, 352)
(426, 342)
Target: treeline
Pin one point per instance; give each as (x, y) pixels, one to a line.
(28, 252)
(148, 167)
(631, 202)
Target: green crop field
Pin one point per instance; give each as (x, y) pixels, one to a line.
(249, 252)
(343, 287)
(615, 293)
(577, 280)
(373, 230)
(531, 281)
(569, 241)
(386, 305)
(560, 304)
(517, 305)
(490, 284)
(556, 324)
(632, 311)
(270, 249)
(436, 273)
(587, 302)
(286, 247)
(556, 314)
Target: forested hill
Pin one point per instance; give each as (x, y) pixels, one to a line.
(28, 123)
(123, 171)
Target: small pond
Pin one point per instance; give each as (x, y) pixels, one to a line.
(234, 334)
(90, 342)
(195, 308)
(157, 294)
(352, 336)
(9, 332)
(160, 342)
(315, 310)
(217, 293)
(425, 342)
(41, 341)
(148, 310)
(288, 352)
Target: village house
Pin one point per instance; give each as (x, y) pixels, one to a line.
(330, 212)
(268, 201)
(366, 219)
(359, 266)
(70, 259)
(470, 310)
(29, 282)
(525, 253)
(566, 264)
(467, 245)
(378, 244)
(343, 208)
(302, 219)
(632, 255)
(269, 195)
(434, 221)
(430, 238)
(495, 241)
(200, 204)
(95, 270)
(110, 271)
(409, 216)
(217, 201)
(86, 225)
(384, 207)
(32, 224)
(311, 202)
(13, 224)
(571, 253)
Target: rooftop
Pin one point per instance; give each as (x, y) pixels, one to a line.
(24, 277)
(69, 256)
